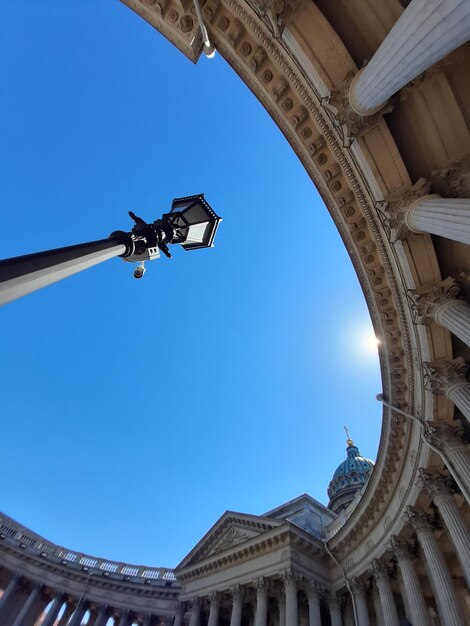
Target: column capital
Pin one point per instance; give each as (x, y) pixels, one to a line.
(435, 483)
(347, 120)
(378, 570)
(214, 598)
(426, 301)
(394, 209)
(359, 587)
(195, 603)
(237, 592)
(442, 376)
(313, 588)
(454, 180)
(438, 433)
(333, 600)
(420, 521)
(290, 577)
(261, 585)
(401, 549)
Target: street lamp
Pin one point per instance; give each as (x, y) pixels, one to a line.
(191, 222)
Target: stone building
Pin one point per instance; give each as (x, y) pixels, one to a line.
(374, 98)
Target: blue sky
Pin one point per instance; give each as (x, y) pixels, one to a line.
(134, 413)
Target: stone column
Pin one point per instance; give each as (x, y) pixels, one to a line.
(425, 33)
(25, 609)
(102, 616)
(147, 619)
(379, 618)
(124, 618)
(78, 614)
(54, 609)
(360, 600)
(335, 610)
(237, 604)
(416, 602)
(446, 217)
(292, 609)
(447, 604)
(448, 378)
(449, 440)
(214, 609)
(9, 591)
(261, 602)
(282, 611)
(439, 303)
(66, 614)
(439, 488)
(195, 612)
(178, 621)
(387, 601)
(313, 597)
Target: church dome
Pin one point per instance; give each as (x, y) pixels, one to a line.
(349, 477)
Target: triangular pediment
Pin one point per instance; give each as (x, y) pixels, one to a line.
(231, 530)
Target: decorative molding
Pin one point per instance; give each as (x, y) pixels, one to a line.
(440, 376)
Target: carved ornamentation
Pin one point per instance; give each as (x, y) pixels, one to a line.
(257, 59)
(426, 300)
(434, 483)
(401, 549)
(453, 181)
(358, 587)
(232, 537)
(261, 585)
(348, 123)
(275, 13)
(280, 89)
(441, 376)
(393, 209)
(289, 577)
(237, 592)
(442, 434)
(214, 598)
(420, 521)
(314, 589)
(378, 570)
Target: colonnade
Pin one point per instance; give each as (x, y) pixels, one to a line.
(26, 603)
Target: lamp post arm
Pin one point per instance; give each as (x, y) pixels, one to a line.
(24, 274)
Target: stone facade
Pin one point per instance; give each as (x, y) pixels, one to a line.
(387, 145)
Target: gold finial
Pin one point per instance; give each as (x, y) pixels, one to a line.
(349, 441)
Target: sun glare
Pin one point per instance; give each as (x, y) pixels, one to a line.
(367, 343)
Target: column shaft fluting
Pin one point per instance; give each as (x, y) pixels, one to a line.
(236, 617)
(282, 612)
(416, 602)
(195, 614)
(362, 612)
(389, 610)
(446, 599)
(25, 609)
(446, 217)
(53, 611)
(261, 614)
(456, 528)
(378, 609)
(102, 617)
(425, 33)
(455, 316)
(124, 619)
(459, 394)
(9, 591)
(292, 611)
(314, 614)
(214, 611)
(178, 617)
(335, 613)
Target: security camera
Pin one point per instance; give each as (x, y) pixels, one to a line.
(139, 271)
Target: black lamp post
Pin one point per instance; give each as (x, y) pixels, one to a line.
(191, 222)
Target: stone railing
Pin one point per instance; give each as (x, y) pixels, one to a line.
(14, 534)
